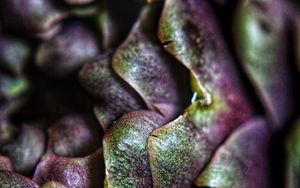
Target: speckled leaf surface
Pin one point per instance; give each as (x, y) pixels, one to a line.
(125, 149)
(260, 33)
(9, 179)
(142, 62)
(242, 161)
(179, 150)
(115, 97)
(221, 105)
(86, 172)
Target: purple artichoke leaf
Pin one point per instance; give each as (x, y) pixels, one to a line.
(221, 105)
(143, 63)
(74, 136)
(260, 30)
(67, 51)
(6, 164)
(71, 172)
(242, 160)
(115, 97)
(33, 16)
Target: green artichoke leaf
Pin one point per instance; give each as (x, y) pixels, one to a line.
(125, 149)
(74, 172)
(179, 150)
(261, 43)
(242, 161)
(222, 104)
(12, 87)
(143, 63)
(11, 179)
(115, 97)
(292, 159)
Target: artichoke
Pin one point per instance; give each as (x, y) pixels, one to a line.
(149, 93)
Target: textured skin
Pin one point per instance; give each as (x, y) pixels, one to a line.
(72, 172)
(26, 149)
(293, 160)
(71, 47)
(6, 164)
(125, 149)
(14, 52)
(142, 62)
(176, 154)
(33, 16)
(260, 33)
(242, 161)
(74, 136)
(9, 179)
(115, 97)
(192, 36)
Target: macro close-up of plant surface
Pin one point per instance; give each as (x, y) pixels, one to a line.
(149, 93)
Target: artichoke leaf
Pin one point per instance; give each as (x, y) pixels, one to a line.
(261, 43)
(74, 172)
(143, 63)
(125, 149)
(190, 33)
(115, 97)
(242, 160)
